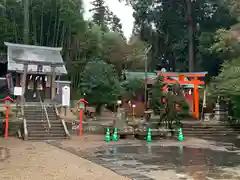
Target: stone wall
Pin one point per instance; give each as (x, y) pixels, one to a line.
(14, 126)
(92, 127)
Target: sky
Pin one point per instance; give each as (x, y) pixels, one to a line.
(119, 9)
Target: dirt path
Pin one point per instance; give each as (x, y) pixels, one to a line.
(21, 160)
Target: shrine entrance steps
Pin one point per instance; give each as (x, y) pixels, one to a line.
(37, 123)
(216, 131)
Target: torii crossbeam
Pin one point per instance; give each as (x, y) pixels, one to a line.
(192, 78)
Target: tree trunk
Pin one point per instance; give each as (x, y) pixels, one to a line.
(26, 22)
(190, 37)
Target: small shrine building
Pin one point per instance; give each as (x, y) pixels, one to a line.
(35, 69)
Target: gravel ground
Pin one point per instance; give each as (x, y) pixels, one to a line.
(21, 160)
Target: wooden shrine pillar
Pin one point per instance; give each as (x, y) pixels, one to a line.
(195, 98)
(23, 81)
(18, 80)
(53, 83)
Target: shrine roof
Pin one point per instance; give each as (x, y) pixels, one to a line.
(153, 75)
(132, 75)
(187, 74)
(141, 75)
(34, 56)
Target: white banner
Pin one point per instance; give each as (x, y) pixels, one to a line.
(66, 96)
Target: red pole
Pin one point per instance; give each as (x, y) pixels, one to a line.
(80, 121)
(196, 101)
(6, 124)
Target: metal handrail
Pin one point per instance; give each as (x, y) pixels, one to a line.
(45, 110)
(25, 131)
(63, 122)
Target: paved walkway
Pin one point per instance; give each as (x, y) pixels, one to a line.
(21, 160)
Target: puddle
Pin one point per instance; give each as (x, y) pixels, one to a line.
(198, 163)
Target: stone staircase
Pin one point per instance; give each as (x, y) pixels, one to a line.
(37, 124)
(57, 129)
(216, 131)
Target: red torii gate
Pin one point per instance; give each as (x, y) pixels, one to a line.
(182, 81)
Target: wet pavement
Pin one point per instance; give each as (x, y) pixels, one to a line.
(136, 161)
(191, 159)
(152, 161)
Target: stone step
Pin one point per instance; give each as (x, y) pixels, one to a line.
(48, 133)
(44, 127)
(213, 135)
(32, 110)
(56, 133)
(55, 123)
(200, 134)
(36, 126)
(36, 121)
(53, 118)
(216, 127)
(209, 126)
(45, 138)
(52, 114)
(202, 130)
(51, 111)
(37, 118)
(37, 131)
(34, 115)
(57, 128)
(45, 130)
(33, 129)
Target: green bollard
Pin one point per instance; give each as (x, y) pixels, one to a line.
(149, 136)
(107, 136)
(115, 135)
(180, 136)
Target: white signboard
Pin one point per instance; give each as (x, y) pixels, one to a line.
(17, 91)
(66, 96)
